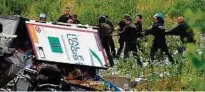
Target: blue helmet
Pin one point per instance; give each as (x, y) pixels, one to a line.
(160, 15)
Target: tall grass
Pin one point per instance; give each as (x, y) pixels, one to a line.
(189, 76)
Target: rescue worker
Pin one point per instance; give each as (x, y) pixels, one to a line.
(75, 19)
(43, 18)
(159, 42)
(129, 32)
(111, 41)
(105, 35)
(138, 25)
(66, 16)
(183, 30)
(121, 39)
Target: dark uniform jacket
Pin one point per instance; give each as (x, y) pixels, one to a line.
(138, 29)
(158, 31)
(105, 30)
(111, 24)
(121, 24)
(64, 18)
(184, 31)
(129, 32)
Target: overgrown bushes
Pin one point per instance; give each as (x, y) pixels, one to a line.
(192, 76)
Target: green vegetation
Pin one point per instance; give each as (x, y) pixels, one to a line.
(188, 75)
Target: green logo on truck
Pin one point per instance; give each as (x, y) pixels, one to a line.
(55, 45)
(96, 56)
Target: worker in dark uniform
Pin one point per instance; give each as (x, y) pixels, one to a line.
(183, 30)
(121, 39)
(138, 25)
(105, 36)
(129, 32)
(159, 42)
(75, 19)
(66, 16)
(111, 41)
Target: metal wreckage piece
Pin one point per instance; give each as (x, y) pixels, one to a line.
(10, 59)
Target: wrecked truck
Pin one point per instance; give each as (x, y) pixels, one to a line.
(51, 56)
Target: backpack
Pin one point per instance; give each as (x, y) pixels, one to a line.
(105, 29)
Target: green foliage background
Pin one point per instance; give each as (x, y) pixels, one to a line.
(192, 73)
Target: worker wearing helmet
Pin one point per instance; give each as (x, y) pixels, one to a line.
(43, 17)
(111, 41)
(105, 31)
(159, 42)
